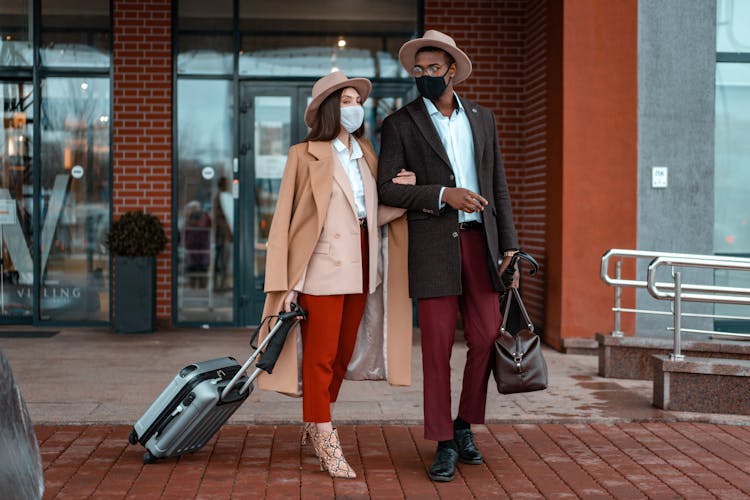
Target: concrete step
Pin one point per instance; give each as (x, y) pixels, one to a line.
(707, 385)
(630, 357)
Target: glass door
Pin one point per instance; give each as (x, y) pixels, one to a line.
(270, 122)
(16, 202)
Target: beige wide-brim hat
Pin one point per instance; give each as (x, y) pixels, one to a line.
(434, 38)
(330, 84)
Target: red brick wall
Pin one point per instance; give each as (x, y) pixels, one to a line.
(142, 121)
(506, 42)
(532, 177)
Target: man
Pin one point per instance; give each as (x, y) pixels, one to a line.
(461, 235)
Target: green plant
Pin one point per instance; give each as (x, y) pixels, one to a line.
(136, 234)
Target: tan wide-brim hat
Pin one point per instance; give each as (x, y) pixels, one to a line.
(330, 84)
(434, 38)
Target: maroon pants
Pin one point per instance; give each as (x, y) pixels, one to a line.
(328, 338)
(437, 320)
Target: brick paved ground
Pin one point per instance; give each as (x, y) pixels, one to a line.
(629, 460)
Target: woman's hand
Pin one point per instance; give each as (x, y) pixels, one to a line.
(405, 177)
(290, 297)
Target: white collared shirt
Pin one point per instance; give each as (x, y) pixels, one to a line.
(351, 167)
(457, 138)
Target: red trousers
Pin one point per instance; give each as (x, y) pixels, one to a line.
(480, 310)
(328, 338)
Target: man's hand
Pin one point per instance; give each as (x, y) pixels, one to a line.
(464, 199)
(405, 177)
(516, 275)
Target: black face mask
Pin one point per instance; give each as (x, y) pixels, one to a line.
(432, 87)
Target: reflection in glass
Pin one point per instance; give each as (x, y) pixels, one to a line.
(75, 204)
(16, 201)
(732, 21)
(313, 56)
(205, 216)
(75, 34)
(732, 169)
(732, 181)
(376, 111)
(205, 37)
(15, 39)
(272, 124)
(205, 54)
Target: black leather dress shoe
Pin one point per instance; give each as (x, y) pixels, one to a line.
(444, 466)
(468, 452)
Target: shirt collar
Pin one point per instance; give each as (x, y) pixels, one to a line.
(356, 153)
(432, 109)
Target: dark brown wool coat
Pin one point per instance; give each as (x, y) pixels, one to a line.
(409, 140)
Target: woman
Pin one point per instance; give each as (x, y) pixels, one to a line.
(323, 252)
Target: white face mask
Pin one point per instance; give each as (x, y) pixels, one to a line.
(352, 117)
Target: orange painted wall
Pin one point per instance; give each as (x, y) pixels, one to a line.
(593, 171)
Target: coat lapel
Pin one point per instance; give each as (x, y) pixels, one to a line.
(368, 182)
(476, 132)
(419, 114)
(321, 172)
(339, 175)
(370, 157)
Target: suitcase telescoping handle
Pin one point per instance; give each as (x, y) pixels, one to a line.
(272, 344)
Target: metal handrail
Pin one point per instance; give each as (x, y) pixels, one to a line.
(641, 254)
(676, 292)
(729, 293)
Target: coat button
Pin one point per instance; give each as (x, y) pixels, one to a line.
(451, 177)
(455, 235)
(338, 263)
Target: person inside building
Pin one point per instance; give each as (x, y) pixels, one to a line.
(323, 252)
(196, 237)
(460, 223)
(223, 206)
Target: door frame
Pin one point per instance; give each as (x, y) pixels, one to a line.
(249, 295)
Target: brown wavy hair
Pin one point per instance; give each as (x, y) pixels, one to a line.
(326, 123)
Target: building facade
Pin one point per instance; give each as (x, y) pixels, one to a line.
(186, 109)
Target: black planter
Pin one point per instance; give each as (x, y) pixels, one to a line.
(135, 294)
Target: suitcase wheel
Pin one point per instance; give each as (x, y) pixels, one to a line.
(148, 458)
(133, 438)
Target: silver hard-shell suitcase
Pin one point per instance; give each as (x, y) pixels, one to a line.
(203, 395)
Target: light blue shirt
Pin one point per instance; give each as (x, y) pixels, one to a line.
(351, 167)
(458, 141)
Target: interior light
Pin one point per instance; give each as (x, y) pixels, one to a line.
(341, 42)
(84, 86)
(334, 69)
(8, 37)
(104, 118)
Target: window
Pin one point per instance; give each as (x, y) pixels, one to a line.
(313, 38)
(75, 34)
(15, 34)
(732, 150)
(204, 43)
(732, 166)
(75, 182)
(245, 70)
(55, 155)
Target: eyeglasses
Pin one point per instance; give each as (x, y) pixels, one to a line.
(431, 70)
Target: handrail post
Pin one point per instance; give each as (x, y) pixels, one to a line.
(677, 311)
(617, 331)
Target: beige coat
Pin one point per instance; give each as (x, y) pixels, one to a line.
(314, 246)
